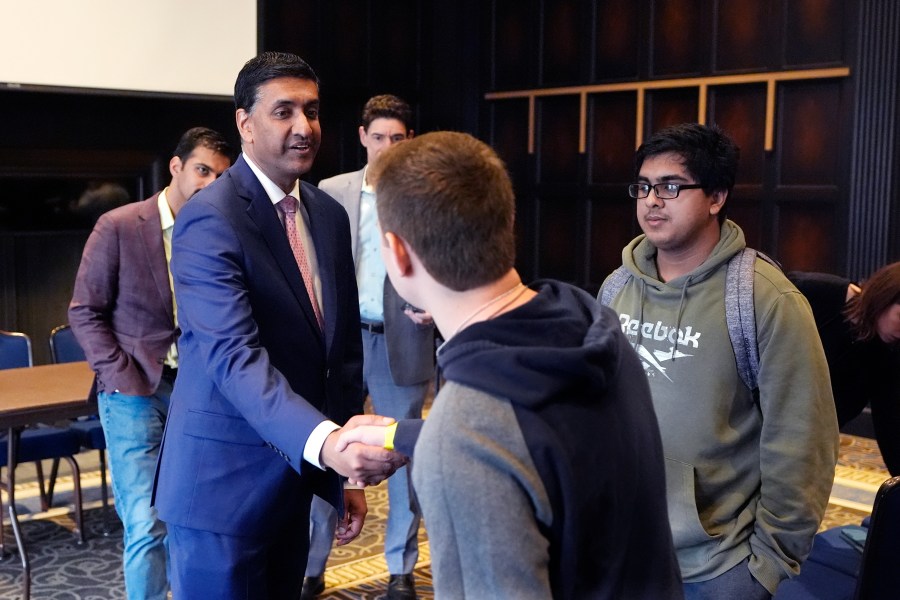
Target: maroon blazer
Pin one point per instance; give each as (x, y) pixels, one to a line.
(121, 310)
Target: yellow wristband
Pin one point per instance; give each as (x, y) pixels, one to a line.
(389, 432)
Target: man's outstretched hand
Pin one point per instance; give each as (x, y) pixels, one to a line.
(362, 463)
(372, 435)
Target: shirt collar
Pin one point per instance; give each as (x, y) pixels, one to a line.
(166, 219)
(275, 193)
(366, 187)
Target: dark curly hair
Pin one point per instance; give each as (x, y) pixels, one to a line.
(706, 151)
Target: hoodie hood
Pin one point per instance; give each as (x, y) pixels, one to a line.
(575, 349)
(639, 257)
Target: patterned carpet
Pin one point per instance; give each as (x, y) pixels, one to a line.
(857, 477)
(63, 570)
(359, 571)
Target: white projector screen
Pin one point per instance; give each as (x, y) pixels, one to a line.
(157, 46)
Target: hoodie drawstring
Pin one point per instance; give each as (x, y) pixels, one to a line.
(640, 335)
(684, 288)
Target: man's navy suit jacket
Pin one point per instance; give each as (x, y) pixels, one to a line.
(256, 374)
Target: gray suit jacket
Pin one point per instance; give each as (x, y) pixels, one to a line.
(410, 346)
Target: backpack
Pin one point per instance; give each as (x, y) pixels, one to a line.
(739, 308)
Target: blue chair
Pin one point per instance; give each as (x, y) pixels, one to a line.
(15, 350)
(879, 573)
(40, 443)
(840, 567)
(64, 347)
(829, 572)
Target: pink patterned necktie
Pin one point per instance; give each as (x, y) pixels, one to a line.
(288, 206)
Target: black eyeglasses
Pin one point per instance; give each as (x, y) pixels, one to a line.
(664, 191)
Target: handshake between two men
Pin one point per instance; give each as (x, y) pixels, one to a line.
(357, 452)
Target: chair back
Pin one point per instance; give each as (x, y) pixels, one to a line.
(15, 350)
(879, 574)
(63, 345)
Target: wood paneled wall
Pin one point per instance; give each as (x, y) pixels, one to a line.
(54, 145)
(825, 196)
(873, 224)
(792, 196)
(428, 53)
(358, 48)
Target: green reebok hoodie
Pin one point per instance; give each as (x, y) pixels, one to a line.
(744, 476)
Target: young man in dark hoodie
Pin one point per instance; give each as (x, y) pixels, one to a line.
(539, 470)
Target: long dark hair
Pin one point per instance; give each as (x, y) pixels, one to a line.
(879, 293)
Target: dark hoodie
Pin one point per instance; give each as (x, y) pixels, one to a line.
(540, 468)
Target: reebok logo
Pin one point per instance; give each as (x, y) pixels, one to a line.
(677, 340)
(660, 332)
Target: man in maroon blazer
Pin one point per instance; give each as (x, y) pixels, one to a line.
(124, 316)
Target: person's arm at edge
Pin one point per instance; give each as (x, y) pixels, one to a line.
(93, 297)
(480, 478)
(401, 436)
(799, 438)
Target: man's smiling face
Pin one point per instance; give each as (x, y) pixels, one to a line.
(281, 134)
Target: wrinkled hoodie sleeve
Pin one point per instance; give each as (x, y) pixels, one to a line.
(799, 439)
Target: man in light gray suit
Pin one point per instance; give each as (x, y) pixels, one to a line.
(398, 352)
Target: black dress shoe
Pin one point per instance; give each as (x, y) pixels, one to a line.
(401, 587)
(312, 587)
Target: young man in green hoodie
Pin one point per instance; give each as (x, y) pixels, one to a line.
(748, 472)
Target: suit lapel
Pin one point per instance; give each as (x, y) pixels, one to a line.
(262, 212)
(350, 196)
(150, 231)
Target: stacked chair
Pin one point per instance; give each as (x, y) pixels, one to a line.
(37, 443)
(65, 348)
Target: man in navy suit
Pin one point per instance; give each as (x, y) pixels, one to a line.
(270, 355)
(123, 316)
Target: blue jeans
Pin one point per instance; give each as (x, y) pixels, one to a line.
(401, 544)
(133, 426)
(737, 582)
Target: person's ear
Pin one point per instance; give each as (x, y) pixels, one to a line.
(398, 252)
(362, 136)
(718, 201)
(411, 134)
(242, 118)
(175, 166)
